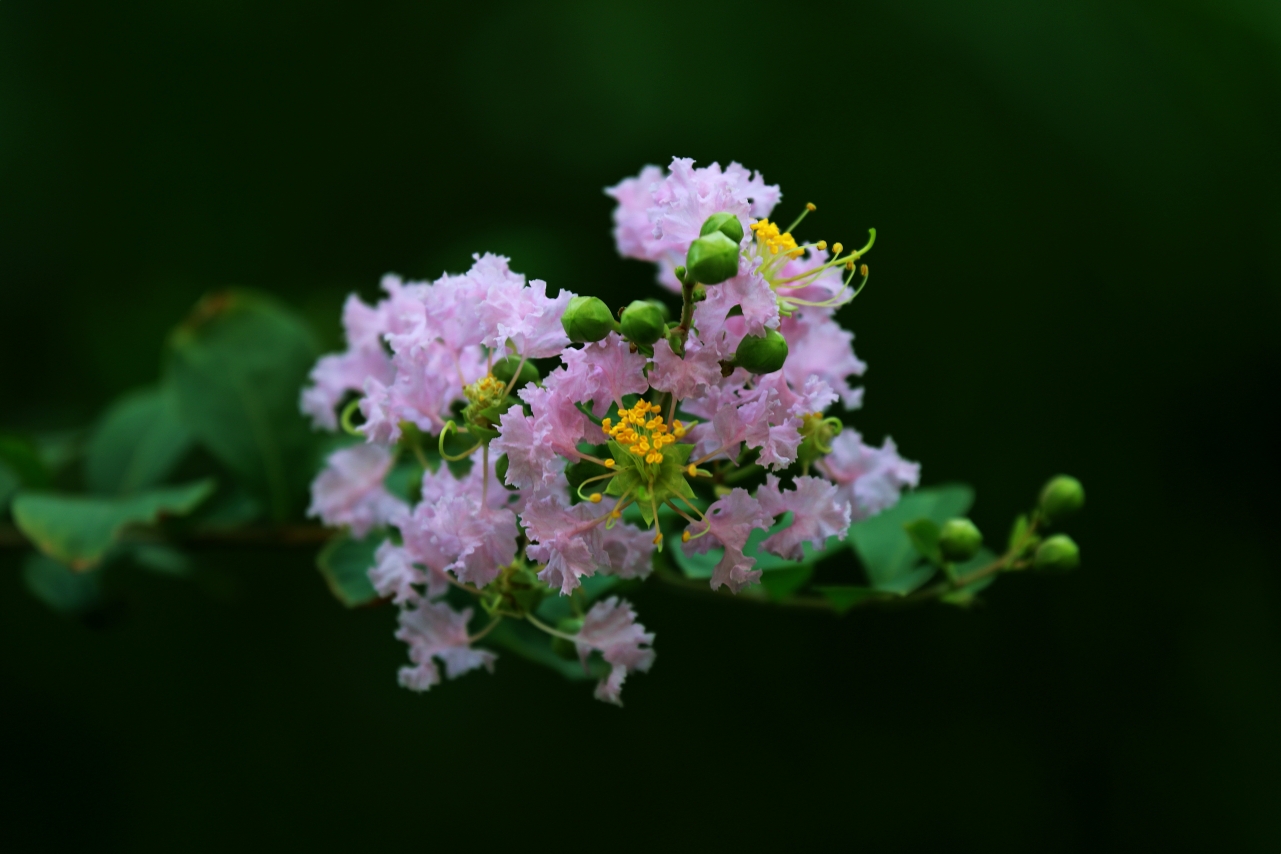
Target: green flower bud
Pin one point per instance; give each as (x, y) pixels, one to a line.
(562, 647)
(643, 322)
(1062, 497)
(959, 539)
(505, 368)
(1057, 552)
(712, 259)
(587, 319)
(726, 223)
(762, 355)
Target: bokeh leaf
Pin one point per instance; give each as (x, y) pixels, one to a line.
(58, 586)
(884, 547)
(846, 596)
(137, 443)
(78, 529)
(965, 596)
(344, 562)
(236, 367)
(20, 463)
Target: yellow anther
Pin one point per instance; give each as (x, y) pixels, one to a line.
(684, 536)
(691, 470)
(849, 265)
(614, 514)
(658, 538)
(609, 464)
(594, 498)
(838, 248)
(606, 423)
(822, 244)
(811, 207)
(862, 271)
(654, 457)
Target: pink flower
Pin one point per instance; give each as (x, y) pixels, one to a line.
(611, 628)
(394, 575)
(337, 374)
(538, 446)
(632, 229)
(628, 550)
(350, 490)
(516, 313)
(684, 376)
(452, 531)
(817, 511)
(871, 479)
(818, 346)
(601, 372)
(565, 538)
(731, 520)
(751, 294)
(434, 630)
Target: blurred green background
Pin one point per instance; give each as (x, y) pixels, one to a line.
(1078, 206)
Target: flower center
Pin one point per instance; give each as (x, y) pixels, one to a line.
(642, 431)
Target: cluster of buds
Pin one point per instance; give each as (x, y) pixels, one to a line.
(560, 442)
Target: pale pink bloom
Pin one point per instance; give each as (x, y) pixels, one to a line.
(731, 520)
(871, 479)
(818, 512)
(436, 631)
(350, 490)
(452, 531)
(752, 294)
(518, 314)
(565, 538)
(684, 376)
(537, 446)
(814, 396)
(339, 373)
(394, 575)
(818, 346)
(601, 372)
(633, 231)
(629, 550)
(611, 628)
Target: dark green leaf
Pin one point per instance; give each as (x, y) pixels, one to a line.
(1018, 531)
(10, 483)
(59, 587)
(924, 535)
(885, 548)
(161, 559)
(236, 367)
(78, 529)
(783, 582)
(844, 597)
(23, 461)
(521, 638)
(345, 564)
(137, 443)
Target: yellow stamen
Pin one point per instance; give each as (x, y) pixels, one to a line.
(658, 538)
(811, 207)
(691, 470)
(838, 248)
(609, 463)
(594, 498)
(684, 536)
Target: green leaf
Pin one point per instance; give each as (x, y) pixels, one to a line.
(924, 536)
(236, 366)
(10, 483)
(521, 638)
(883, 546)
(783, 582)
(137, 444)
(78, 529)
(161, 559)
(345, 562)
(62, 589)
(702, 565)
(844, 597)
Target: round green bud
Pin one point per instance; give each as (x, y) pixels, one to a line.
(662, 308)
(587, 319)
(726, 223)
(1057, 552)
(1062, 497)
(712, 259)
(959, 539)
(505, 368)
(643, 323)
(762, 355)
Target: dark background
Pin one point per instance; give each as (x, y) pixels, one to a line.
(1078, 206)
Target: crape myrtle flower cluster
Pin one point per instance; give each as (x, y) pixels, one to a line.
(533, 483)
